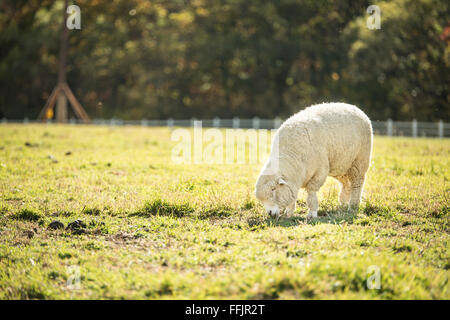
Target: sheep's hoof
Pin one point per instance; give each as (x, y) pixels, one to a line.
(288, 214)
(311, 215)
(275, 216)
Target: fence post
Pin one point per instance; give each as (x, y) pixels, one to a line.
(216, 122)
(276, 123)
(256, 123)
(414, 128)
(390, 128)
(236, 122)
(441, 128)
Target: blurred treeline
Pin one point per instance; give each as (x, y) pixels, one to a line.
(137, 59)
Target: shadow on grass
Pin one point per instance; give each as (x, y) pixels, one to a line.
(334, 216)
(330, 215)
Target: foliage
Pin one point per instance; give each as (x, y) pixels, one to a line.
(181, 59)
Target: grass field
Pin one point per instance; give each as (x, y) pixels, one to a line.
(158, 230)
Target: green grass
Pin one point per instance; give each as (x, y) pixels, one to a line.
(158, 230)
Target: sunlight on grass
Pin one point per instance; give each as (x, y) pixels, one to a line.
(138, 226)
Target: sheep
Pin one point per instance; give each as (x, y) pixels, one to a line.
(328, 139)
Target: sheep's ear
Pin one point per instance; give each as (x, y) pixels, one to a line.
(281, 181)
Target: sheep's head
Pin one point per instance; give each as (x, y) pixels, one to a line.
(275, 193)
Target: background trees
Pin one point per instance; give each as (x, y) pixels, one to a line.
(201, 58)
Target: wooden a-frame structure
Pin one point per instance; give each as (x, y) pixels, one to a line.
(62, 91)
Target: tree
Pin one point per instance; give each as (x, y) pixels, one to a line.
(401, 71)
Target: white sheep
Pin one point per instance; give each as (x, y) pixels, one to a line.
(329, 139)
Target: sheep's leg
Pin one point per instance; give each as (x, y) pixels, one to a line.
(312, 187)
(313, 204)
(355, 196)
(346, 188)
(357, 175)
(357, 182)
(290, 209)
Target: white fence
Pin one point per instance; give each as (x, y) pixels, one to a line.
(387, 128)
